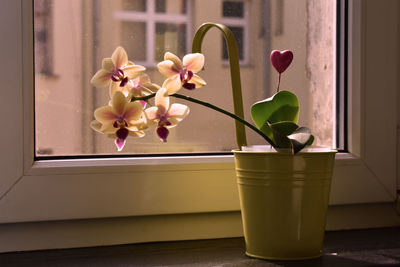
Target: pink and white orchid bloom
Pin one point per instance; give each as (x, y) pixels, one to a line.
(165, 115)
(138, 87)
(120, 119)
(182, 74)
(116, 71)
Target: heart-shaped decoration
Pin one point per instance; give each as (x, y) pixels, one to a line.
(281, 59)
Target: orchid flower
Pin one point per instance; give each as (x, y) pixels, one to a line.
(138, 87)
(182, 74)
(116, 71)
(120, 119)
(165, 115)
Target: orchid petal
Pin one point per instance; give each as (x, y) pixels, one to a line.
(120, 144)
(173, 122)
(151, 113)
(172, 84)
(122, 133)
(118, 102)
(133, 111)
(137, 86)
(143, 103)
(114, 87)
(176, 114)
(189, 86)
(150, 87)
(105, 114)
(108, 65)
(198, 81)
(108, 127)
(194, 62)
(96, 125)
(177, 62)
(119, 57)
(167, 68)
(162, 101)
(137, 93)
(162, 132)
(136, 133)
(178, 111)
(144, 78)
(138, 125)
(128, 89)
(133, 71)
(101, 79)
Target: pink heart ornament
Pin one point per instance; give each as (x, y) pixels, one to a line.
(281, 59)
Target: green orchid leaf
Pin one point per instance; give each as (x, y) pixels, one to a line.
(283, 106)
(301, 138)
(280, 132)
(282, 141)
(284, 127)
(287, 135)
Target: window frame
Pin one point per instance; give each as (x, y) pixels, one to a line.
(97, 188)
(150, 17)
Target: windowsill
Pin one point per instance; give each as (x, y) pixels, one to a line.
(344, 158)
(43, 235)
(341, 248)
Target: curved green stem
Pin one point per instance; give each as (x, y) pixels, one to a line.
(233, 56)
(223, 111)
(147, 97)
(279, 82)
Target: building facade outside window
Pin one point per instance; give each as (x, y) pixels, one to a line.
(43, 37)
(148, 28)
(234, 15)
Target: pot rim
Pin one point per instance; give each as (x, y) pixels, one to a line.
(267, 149)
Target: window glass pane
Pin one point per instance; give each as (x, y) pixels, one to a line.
(232, 9)
(170, 37)
(160, 6)
(43, 48)
(134, 5)
(171, 6)
(134, 33)
(80, 33)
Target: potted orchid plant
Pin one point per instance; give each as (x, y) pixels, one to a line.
(283, 193)
(129, 86)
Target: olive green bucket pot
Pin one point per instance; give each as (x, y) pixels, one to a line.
(284, 200)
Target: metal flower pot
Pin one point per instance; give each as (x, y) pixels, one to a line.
(284, 200)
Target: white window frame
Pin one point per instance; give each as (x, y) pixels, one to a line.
(243, 23)
(97, 188)
(150, 17)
